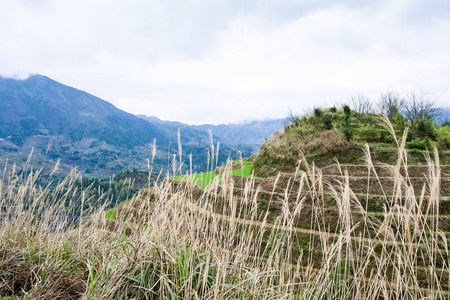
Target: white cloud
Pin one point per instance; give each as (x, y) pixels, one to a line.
(226, 61)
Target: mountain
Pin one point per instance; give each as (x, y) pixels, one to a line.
(443, 115)
(251, 133)
(39, 106)
(59, 122)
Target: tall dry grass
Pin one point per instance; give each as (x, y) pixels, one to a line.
(176, 241)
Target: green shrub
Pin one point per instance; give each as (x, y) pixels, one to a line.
(420, 144)
(387, 138)
(399, 120)
(443, 137)
(348, 134)
(327, 122)
(426, 128)
(347, 110)
(318, 112)
(333, 109)
(411, 136)
(368, 132)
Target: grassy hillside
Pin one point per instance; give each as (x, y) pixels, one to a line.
(341, 133)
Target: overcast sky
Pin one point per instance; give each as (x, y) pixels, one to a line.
(222, 61)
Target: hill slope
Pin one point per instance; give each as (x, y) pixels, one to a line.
(341, 134)
(41, 106)
(86, 131)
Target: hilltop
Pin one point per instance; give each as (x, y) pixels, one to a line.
(329, 134)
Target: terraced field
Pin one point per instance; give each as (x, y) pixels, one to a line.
(378, 228)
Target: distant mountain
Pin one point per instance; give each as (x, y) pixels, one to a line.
(250, 133)
(39, 106)
(443, 115)
(62, 123)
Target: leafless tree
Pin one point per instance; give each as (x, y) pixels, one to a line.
(361, 104)
(419, 107)
(391, 103)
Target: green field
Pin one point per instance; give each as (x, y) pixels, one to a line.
(204, 179)
(246, 171)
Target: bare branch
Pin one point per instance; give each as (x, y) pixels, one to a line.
(391, 103)
(361, 104)
(420, 107)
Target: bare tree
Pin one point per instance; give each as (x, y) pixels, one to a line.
(361, 104)
(391, 103)
(420, 107)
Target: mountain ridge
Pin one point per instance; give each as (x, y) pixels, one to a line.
(59, 122)
(252, 133)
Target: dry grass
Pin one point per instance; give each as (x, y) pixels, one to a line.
(178, 242)
(326, 141)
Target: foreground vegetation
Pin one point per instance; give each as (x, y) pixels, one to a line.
(306, 235)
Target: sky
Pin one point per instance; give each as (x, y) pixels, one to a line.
(226, 61)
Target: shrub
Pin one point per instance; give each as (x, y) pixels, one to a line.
(368, 132)
(347, 120)
(327, 122)
(420, 144)
(347, 113)
(318, 112)
(348, 134)
(347, 110)
(333, 109)
(411, 136)
(388, 138)
(443, 137)
(426, 128)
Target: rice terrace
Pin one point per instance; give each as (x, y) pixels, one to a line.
(272, 226)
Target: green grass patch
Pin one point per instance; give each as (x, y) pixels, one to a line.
(202, 179)
(111, 215)
(246, 171)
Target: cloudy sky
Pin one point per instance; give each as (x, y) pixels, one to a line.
(222, 61)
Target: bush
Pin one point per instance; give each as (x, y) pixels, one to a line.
(327, 122)
(368, 132)
(399, 120)
(411, 136)
(387, 138)
(348, 134)
(426, 128)
(318, 112)
(420, 144)
(347, 110)
(333, 109)
(443, 137)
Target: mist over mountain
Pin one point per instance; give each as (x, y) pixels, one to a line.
(250, 133)
(59, 122)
